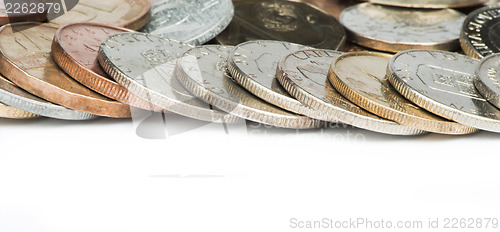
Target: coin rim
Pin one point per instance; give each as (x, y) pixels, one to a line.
(434, 6)
(484, 89)
(465, 43)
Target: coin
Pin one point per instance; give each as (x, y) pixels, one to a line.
(75, 49)
(176, 19)
(203, 71)
(442, 83)
(395, 29)
(14, 113)
(481, 32)
(333, 7)
(144, 64)
(22, 100)
(11, 17)
(253, 65)
(25, 60)
(361, 78)
(283, 20)
(487, 79)
(304, 75)
(429, 3)
(133, 14)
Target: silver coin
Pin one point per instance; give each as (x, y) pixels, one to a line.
(480, 33)
(193, 22)
(144, 64)
(14, 96)
(429, 3)
(442, 83)
(487, 79)
(396, 29)
(253, 65)
(203, 71)
(304, 75)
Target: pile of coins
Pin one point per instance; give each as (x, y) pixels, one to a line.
(397, 67)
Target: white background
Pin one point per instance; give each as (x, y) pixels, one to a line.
(58, 176)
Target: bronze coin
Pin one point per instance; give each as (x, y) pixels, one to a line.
(12, 17)
(75, 49)
(25, 60)
(283, 20)
(133, 14)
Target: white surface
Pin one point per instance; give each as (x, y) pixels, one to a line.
(58, 176)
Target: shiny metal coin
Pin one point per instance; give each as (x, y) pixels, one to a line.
(361, 78)
(480, 34)
(14, 96)
(253, 65)
(193, 22)
(439, 4)
(487, 79)
(304, 75)
(396, 29)
(14, 113)
(144, 64)
(283, 20)
(442, 83)
(202, 71)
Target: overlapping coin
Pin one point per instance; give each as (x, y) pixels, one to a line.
(26, 61)
(430, 3)
(283, 20)
(487, 79)
(203, 71)
(480, 35)
(193, 22)
(395, 29)
(304, 75)
(144, 64)
(442, 83)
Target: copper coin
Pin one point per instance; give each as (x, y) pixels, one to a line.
(133, 14)
(75, 49)
(16, 15)
(25, 60)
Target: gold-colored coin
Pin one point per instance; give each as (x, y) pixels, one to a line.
(132, 14)
(361, 77)
(14, 113)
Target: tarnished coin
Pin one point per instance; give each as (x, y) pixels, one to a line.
(487, 79)
(75, 49)
(304, 75)
(480, 34)
(361, 78)
(193, 22)
(16, 97)
(283, 20)
(202, 71)
(430, 3)
(442, 83)
(396, 29)
(16, 12)
(253, 65)
(133, 14)
(144, 64)
(26, 61)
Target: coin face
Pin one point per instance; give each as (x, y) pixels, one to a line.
(144, 64)
(203, 71)
(487, 79)
(304, 75)
(361, 78)
(253, 65)
(133, 14)
(283, 20)
(442, 83)
(395, 29)
(430, 3)
(75, 49)
(177, 19)
(481, 32)
(11, 13)
(26, 61)
(22, 100)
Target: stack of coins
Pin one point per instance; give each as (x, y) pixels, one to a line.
(397, 67)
